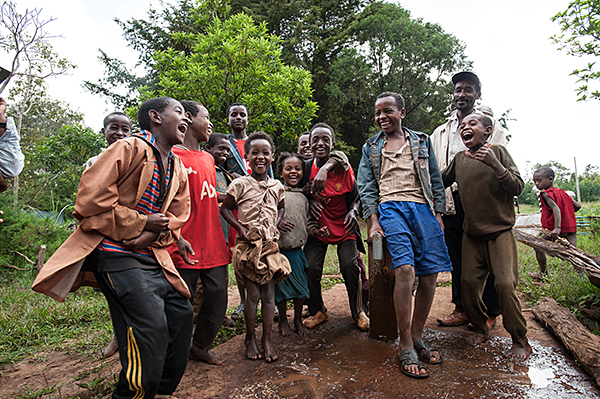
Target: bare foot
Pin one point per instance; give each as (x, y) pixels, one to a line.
(477, 339)
(252, 348)
(111, 349)
(300, 329)
(207, 356)
(270, 355)
(518, 353)
(284, 327)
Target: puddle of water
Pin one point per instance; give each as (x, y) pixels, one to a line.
(347, 364)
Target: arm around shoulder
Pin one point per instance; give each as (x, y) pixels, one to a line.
(368, 187)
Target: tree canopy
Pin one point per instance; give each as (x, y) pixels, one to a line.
(580, 37)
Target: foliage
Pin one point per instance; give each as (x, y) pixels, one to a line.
(238, 61)
(580, 37)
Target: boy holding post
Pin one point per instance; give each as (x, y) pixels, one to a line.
(488, 180)
(131, 204)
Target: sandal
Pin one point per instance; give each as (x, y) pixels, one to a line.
(408, 357)
(424, 352)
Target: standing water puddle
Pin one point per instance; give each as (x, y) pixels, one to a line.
(348, 364)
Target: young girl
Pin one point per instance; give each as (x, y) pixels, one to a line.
(256, 258)
(293, 237)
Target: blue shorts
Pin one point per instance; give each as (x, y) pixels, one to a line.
(414, 237)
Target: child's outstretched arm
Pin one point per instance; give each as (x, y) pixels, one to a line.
(228, 204)
(557, 215)
(576, 205)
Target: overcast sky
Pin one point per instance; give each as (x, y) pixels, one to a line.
(508, 42)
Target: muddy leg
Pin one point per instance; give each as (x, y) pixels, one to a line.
(253, 291)
(284, 327)
(267, 297)
(423, 301)
(300, 329)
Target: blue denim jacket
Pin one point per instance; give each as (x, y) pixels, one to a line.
(369, 172)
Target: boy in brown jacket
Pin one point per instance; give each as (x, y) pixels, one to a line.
(130, 205)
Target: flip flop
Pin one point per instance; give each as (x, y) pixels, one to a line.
(408, 357)
(424, 352)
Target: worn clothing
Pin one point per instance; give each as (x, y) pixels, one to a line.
(259, 260)
(203, 228)
(214, 302)
(446, 142)
(499, 258)
(224, 178)
(12, 159)
(399, 180)
(108, 192)
(315, 251)
(257, 204)
(487, 199)
(369, 172)
(296, 211)
(153, 326)
(414, 237)
(296, 284)
(568, 222)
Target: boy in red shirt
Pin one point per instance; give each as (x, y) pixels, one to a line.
(558, 214)
(201, 251)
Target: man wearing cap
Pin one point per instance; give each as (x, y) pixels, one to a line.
(446, 143)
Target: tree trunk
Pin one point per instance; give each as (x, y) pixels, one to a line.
(584, 345)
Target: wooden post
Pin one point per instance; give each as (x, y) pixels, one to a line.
(381, 291)
(40, 259)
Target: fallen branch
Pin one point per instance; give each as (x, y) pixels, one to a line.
(562, 249)
(24, 257)
(18, 268)
(584, 345)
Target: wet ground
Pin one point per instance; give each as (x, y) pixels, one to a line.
(338, 361)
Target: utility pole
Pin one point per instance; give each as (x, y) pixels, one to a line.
(577, 180)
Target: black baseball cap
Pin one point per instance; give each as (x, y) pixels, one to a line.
(470, 76)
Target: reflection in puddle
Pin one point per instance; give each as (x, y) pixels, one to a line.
(347, 364)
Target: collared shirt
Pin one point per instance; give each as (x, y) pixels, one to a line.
(455, 144)
(399, 180)
(151, 200)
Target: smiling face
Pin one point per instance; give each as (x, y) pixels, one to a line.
(387, 115)
(465, 95)
(304, 146)
(259, 157)
(292, 171)
(117, 127)
(201, 127)
(238, 118)
(321, 142)
(173, 123)
(219, 151)
(542, 181)
(473, 132)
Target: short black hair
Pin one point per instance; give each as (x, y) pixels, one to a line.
(398, 97)
(260, 135)
(234, 105)
(302, 134)
(157, 103)
(285, 155)
(193, 107)
(324, 126)
(105, 121)
(485, 120)
(546, 171)
(214, 138)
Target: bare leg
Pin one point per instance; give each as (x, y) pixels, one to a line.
(250, 317)
(541, 258)
(517, 352)
(405, 276)
(300, 329)
(267, 297)
(284, 327)
(423, 301)
(572, 238)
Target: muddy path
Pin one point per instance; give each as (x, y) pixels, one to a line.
(336, 360)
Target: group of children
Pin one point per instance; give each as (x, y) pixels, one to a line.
(150, 229)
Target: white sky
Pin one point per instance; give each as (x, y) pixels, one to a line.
(508, 42)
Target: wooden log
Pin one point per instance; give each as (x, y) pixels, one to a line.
(584, 345)
(381, 291)
(41, 258)
(582, 261)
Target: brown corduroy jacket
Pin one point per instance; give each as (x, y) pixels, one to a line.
(108, 193)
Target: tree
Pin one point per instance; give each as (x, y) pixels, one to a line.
(238, 61)
(580, 37)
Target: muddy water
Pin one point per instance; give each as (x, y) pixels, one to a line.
(344, 363)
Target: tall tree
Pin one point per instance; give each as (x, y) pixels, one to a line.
(580, 37)
(238, 61)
